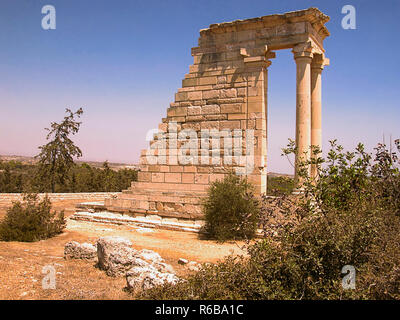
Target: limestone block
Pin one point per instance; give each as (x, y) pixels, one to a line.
(190, 82)
(147, 277)
(176, 111)
(176, 168)
(241, 92)
(194, 110)
(178, 119)
(229, 124)
(210, 109)
(194, 95)
(181, 96)
(115, 255)
(189, 169)
(254, 91)
(231, 108)
(144, 176)
(173, 177)
(193, 68)
(191, 125)
(164, 168)
(153, 168)
(195, 118)
(228, 93)
(210, 125)
(188, 178)
(207, 80)
(221, 79)
(211, 94)
(201, 178)
(216, 117)
(76, 250)
(157, 177)
(203, 169)
(237, 116)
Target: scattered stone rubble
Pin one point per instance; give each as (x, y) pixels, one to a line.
(143, 269)
(76, 250)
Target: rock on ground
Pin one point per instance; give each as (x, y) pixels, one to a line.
(143, 269)
(150, 256)
(193, 266)
(76, 250)
(115, 255)
(144, 278)
(154, 259)
(183, 261)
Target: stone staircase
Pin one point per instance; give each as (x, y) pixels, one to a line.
(166, 200)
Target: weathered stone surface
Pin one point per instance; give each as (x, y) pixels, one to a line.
(147, 277)
(193, 266)
(115, 255)
(76, 250)
(149, 256)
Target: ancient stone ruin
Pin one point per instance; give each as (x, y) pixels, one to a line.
(218, 121)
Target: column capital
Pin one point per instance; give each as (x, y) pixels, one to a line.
(319, 62)
(257, 56)
(303, 50)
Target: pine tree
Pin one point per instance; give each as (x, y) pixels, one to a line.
(56, 157)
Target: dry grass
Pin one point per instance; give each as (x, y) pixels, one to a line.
(21, 263)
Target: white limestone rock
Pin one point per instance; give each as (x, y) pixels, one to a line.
(144, 278)
(183, 261)
(115, 255)
(76, 250)
(193, 266)
(149, 256)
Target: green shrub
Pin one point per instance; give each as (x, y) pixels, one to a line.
(357, 223)
(281, 185)
(23, 178)
(231, 210)
(31, 220)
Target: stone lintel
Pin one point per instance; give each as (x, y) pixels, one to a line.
(311, 15)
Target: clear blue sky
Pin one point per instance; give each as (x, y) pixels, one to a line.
(122, 61)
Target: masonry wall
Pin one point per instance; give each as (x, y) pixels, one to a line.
(225, 90)
(8, 198)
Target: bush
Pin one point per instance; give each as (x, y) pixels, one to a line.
(231, 209)
(31, 220)
(23, 178)
(281, 185)
(357, 223)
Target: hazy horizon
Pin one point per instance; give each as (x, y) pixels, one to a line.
(123, 62)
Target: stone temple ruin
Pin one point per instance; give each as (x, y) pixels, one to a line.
(225, 94)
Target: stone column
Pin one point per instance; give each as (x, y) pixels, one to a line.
(256, 63)
(303, 57)
(317, 66)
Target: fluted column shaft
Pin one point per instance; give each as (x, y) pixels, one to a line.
(303, 110)
(316, 134)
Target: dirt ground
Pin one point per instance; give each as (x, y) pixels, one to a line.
(21, 263)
